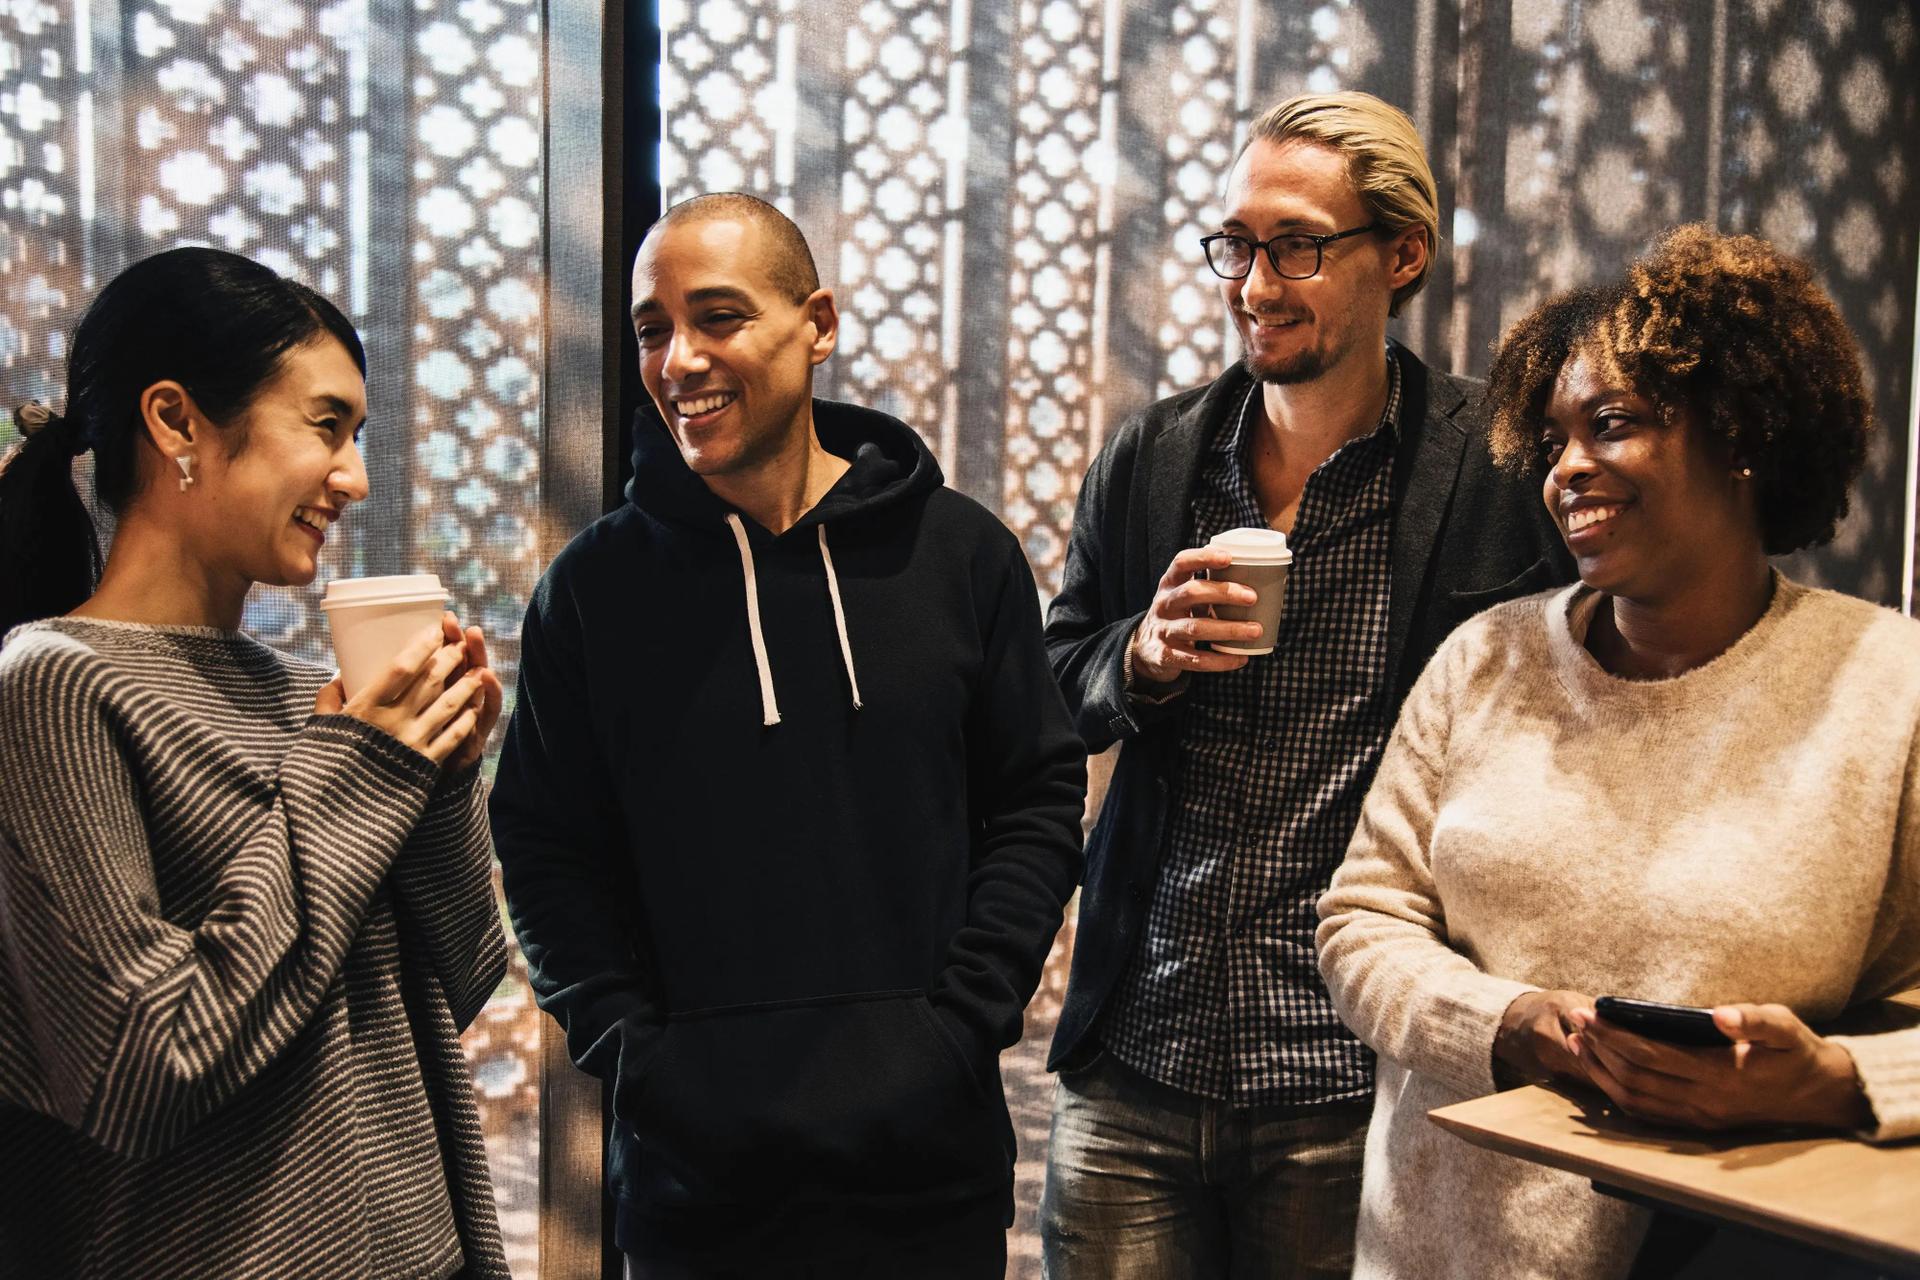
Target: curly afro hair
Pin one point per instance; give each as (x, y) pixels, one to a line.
(1733, 334)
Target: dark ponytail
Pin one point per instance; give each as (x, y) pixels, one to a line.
(216, 323)
(49, 556)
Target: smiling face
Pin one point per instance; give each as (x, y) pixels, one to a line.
(1649, 508)
(1298, 330)
(726, 355)
(265, 493)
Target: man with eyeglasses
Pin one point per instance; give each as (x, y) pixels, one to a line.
(1211, 1110)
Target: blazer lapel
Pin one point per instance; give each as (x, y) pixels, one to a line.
(1176, 465)
(1430, 462)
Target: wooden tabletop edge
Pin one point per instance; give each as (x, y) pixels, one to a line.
(1902, 1258)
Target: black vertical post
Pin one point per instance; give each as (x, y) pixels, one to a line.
(633, 162)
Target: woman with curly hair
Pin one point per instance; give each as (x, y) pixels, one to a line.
(1685, 778)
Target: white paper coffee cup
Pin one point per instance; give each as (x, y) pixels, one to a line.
(1261, 560)
(372, 619)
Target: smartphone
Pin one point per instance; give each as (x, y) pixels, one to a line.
(1669, 1023)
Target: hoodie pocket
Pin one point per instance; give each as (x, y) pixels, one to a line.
(851, 1097)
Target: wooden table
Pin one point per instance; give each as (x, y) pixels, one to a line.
(1834, 1193)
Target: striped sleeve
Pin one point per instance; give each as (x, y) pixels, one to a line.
(444, 882)
(138, 1027)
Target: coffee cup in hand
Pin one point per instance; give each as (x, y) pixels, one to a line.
(372, 619)
(1261, 560)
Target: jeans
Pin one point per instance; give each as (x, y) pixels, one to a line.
(1145, 1182)
(978, 1255)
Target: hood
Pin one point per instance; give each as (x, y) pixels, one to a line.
(888, 464)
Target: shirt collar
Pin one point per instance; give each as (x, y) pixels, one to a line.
(1233, 442)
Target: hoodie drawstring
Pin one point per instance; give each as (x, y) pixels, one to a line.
(769, 706)
(839, 618)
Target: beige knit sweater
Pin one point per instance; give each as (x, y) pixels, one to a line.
(1748, 831)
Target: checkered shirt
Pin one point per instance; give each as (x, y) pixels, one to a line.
(1223, 997)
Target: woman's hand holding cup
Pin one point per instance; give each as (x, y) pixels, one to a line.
(487, 701)
(431, 698)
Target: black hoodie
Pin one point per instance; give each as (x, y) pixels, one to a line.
(787, 825)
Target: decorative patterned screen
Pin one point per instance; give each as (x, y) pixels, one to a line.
(1007, 199)
(387, 152)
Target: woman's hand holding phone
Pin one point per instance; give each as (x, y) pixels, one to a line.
(1775, 1071)
(1532, 1039)
(1667, 1023)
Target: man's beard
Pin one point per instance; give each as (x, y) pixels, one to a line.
(1302, 366)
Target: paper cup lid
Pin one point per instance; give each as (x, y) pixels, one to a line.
(404, 588)
(1253, 546)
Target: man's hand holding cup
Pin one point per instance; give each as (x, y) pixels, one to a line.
(1166, 643)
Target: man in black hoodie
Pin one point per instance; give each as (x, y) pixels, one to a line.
(789, 805)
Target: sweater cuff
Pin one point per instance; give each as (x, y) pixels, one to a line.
(455, 785)
(394, 757)
(1461, 1030)
(1888, 1066)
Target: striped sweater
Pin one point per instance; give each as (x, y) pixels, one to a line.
(238, 942)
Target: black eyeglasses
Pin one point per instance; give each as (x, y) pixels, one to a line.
(1295, 255)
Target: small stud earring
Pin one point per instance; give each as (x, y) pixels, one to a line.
(1746, 473)
(185, 463)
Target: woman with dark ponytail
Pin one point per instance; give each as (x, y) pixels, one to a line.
(243, 917)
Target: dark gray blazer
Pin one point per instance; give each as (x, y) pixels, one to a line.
(1465, 537)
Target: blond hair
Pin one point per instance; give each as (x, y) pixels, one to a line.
(1385, 159)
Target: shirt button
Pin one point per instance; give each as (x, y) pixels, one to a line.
(1269, 744)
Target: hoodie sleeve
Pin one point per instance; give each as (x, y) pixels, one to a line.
(561, 847)
(1027, 782)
